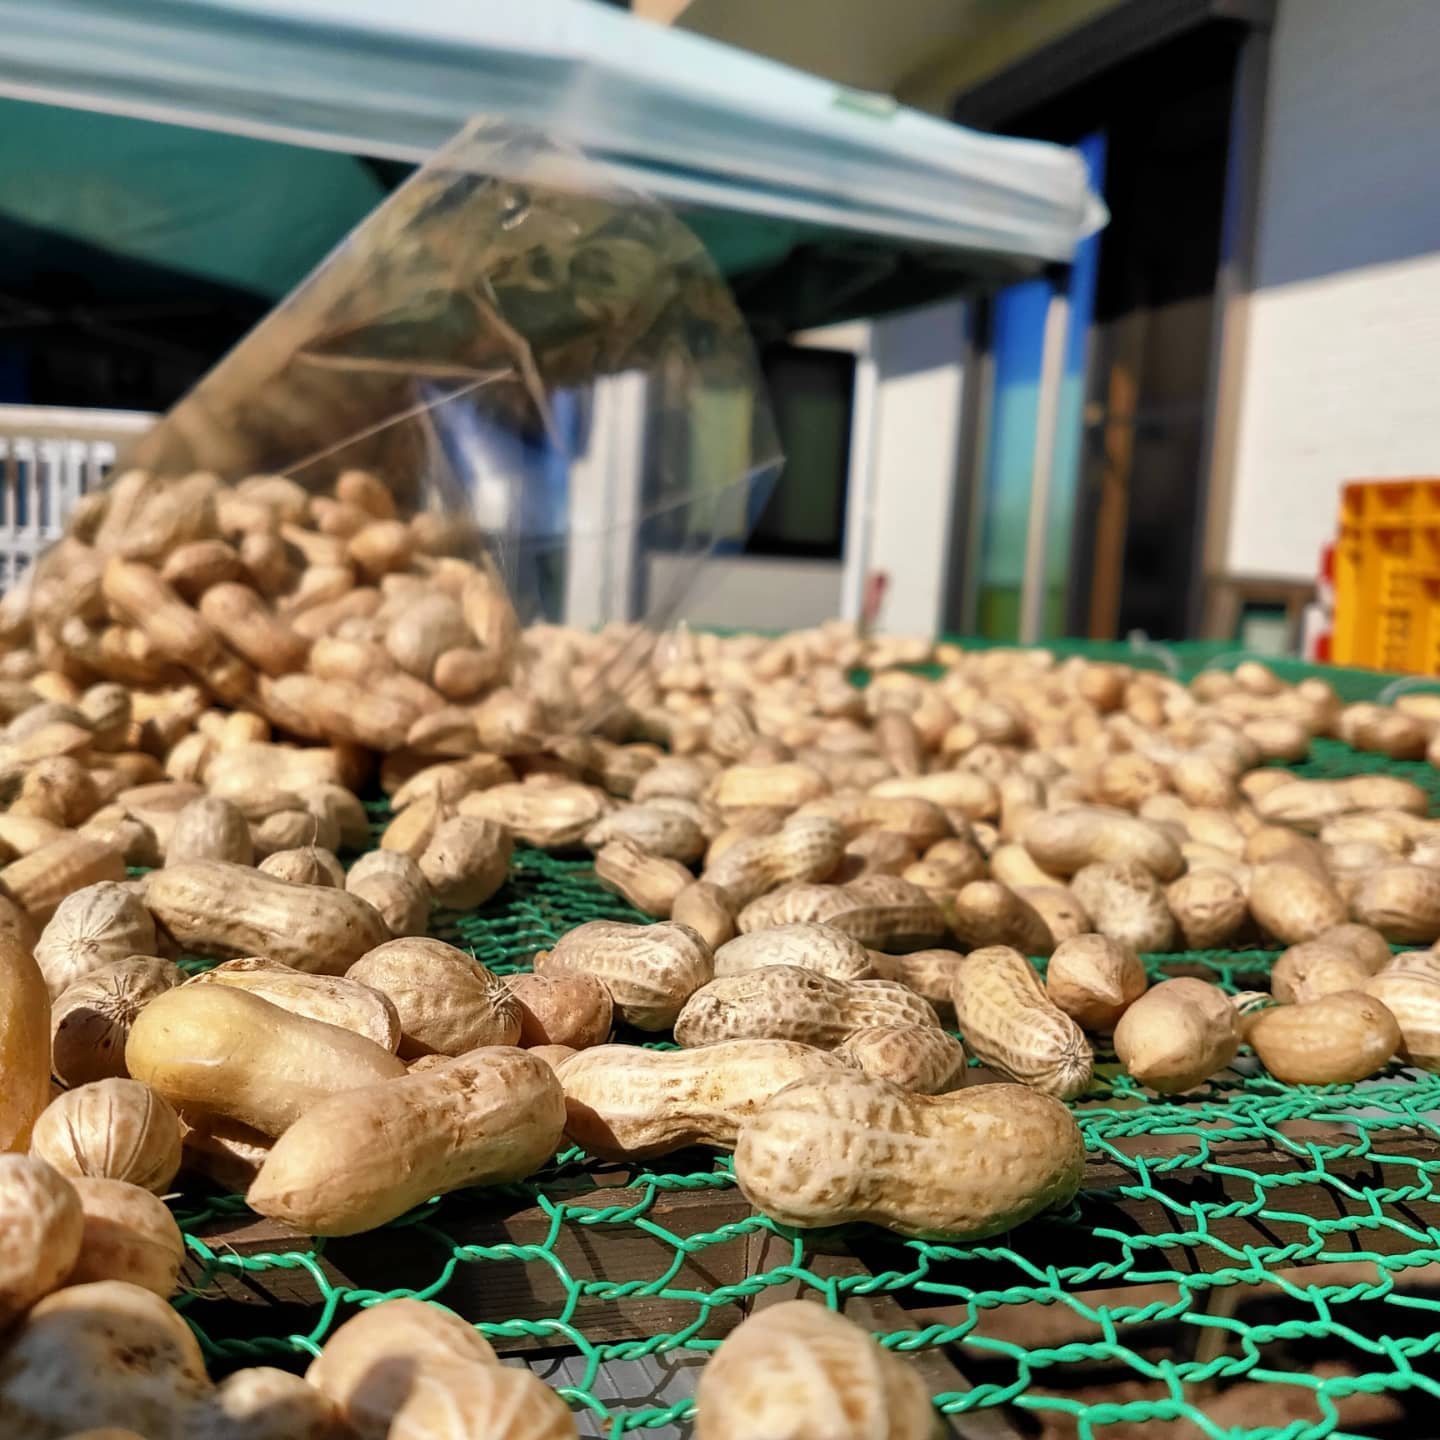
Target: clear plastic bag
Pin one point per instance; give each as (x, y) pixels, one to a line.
(476, 344)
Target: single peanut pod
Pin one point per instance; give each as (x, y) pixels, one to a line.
(107, 1354)
(931, 974)
(335, 999)
(465, 861)
(841, 1148)
(246, 623)
(307, 865)
(115, 1129)
(706, 910)
(39, 881)
(1012, 865)
(1402, 902)
(261, 1404)
(1309, 804)
(790, 785)
(785, 1002)
(1210, 907)
(212, 1050)
(137, 594)
(210, 829)
(988, 913)
(625, 1103)
(91, 1018)
(550, 817)
(41, 1225)
(193, 568)
(24, 1047)
(1009, 1023)
(1177, 1035)
(129, 1234)
(799, 1370)
(364, 1158)
(806, 946)
(650, 970)
(881, 911)
(572, 1011)
(396, 887)
(1064, 841)
(1295, 903)
(650, 883)
(1335, 1040)
(919, 1058)
(1126, 903)
(229, 911)
(1094, 980)
(447, 1001)
(1057, 905)
(90, 928)
(1413, 998)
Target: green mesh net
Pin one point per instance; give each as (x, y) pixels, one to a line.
(1250, 1259)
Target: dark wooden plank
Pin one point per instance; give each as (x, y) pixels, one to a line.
(532, 1277)
(616, 1261)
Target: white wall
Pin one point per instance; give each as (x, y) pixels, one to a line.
(750, 592)
(1342, 365)
(915, 462)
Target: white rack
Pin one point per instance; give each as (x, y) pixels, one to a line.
(49, 458)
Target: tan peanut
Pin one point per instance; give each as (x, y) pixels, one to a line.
(1094, 979)
(1413, 998)
(1402, 902)
(24, 1048)
(551, 817)
(881, 911)
(1309, 804)
(785, 1002)
(656, 829)
(1209, 906)
(919, 1058)
(624, 1103)
(988, 913)
(447, 1001)
(210, 829)
(650, 883)
(395, 885)
(1064, 841)
(1009, 1023)
(41, 1225)
(465, 861)
(129, 1235)
(650, 970)
(804, 849)
(807, 946)
(848, 1147)
(309, 865)
(337, 1000)
(706, 910)
(1126, 903)
(1334, 1040)
(1295, 902)
(39, 881)
(229, 911)
(114, 1129)
(797, 1369)
(365, 1157)
(212, 1050)
(962, 790)
(1342, 958)
(1177, 1035)
(929, 973)
(572, 1011)
(90, 928)
(91, 1018)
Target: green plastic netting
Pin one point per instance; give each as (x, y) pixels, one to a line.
(1168, 1299)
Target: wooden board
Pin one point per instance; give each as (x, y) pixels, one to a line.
(616, 1260)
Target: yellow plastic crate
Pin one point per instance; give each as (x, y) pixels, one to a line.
(1387, 576)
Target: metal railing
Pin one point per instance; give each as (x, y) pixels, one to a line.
(49, 458)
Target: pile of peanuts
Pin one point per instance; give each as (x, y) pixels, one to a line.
(202, 682)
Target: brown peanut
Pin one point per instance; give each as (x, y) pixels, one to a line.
(1177, 1035)
(1094, 979)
